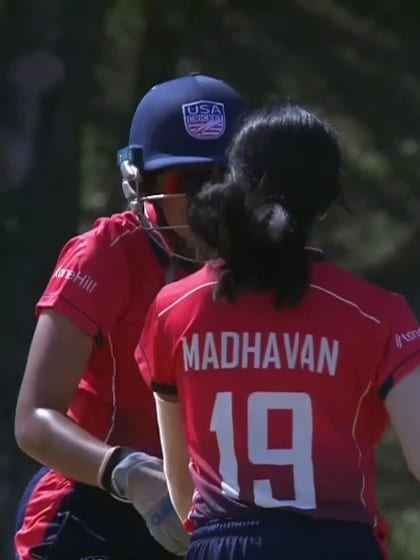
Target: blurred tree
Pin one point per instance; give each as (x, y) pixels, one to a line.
(47, 55)
(71, 75)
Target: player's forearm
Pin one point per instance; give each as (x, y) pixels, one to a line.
(175, 453)
(180, 490)
(55, 440)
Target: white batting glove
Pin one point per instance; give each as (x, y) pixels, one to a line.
(139, 479)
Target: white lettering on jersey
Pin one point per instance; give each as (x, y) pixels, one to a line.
(84, 281)
(209, 356)
(229, 351)
(271, 354)
(251, 348)
(409, 336)
(190, 352)
(278, 351)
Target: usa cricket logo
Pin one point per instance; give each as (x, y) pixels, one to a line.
(204, 120)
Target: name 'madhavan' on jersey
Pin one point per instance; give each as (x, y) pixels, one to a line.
(283, 408)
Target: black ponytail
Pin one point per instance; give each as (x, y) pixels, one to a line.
(263, 246)
(285, 169)
(278, 240)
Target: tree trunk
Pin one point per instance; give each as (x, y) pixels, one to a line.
(48, 50)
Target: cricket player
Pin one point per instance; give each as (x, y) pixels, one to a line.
(84, 411)
(274, 370)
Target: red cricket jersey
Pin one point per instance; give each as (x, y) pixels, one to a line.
(104, 282)
(283, 408)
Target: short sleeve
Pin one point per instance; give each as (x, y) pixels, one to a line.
(90, 283)
(153, 355)
(402, 351)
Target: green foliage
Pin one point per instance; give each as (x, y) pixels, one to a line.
(355, 61)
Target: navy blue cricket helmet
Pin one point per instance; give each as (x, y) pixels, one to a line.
(186, 121)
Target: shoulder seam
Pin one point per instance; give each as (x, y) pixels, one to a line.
(122, 235)
(185, 296)
(347, 302)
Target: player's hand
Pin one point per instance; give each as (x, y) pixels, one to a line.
(166, 527)
(139, 479)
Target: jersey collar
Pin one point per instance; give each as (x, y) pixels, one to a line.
(315, 254)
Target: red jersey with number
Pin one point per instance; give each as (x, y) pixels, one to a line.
(104, 282)
(283, 408)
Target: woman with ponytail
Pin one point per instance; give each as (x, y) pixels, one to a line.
(275, 371)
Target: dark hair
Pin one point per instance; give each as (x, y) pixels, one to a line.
(284, 172)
